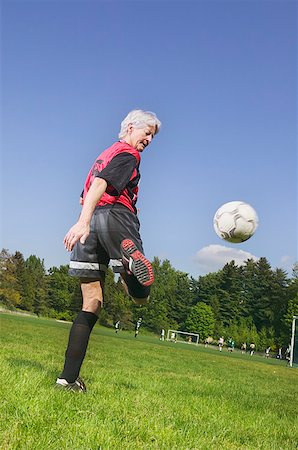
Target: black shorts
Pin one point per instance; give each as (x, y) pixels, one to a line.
(109, 226)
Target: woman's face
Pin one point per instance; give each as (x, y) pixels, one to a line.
(140, 138)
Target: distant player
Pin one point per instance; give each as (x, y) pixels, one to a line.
(220, 343)
(117, 326)
(173, 337)
(208, 341)
(231, 345)
(252, 348)
(267, 352)
(243, 348)
(288, 353)
(108, 229)
(162, 335)
(137, 326)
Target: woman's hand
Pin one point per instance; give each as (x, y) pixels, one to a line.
(79, 232)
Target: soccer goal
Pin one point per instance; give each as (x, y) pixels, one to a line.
(294, 343)
(182, 336)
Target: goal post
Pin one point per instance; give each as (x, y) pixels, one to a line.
(183, 337)
(294, 343)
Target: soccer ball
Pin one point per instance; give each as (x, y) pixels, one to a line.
(235, 222)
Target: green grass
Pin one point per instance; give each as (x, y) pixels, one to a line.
(142, 394)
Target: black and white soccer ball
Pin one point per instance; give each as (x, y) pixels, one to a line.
(235, 221)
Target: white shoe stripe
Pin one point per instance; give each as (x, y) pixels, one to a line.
(130, 263)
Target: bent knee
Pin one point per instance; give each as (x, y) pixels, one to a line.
(136, 290)
(93, 306)
(141, 301)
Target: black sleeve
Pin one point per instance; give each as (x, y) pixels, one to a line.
(119, 171)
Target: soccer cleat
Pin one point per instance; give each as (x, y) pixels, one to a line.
(77, 386)
(136, 263)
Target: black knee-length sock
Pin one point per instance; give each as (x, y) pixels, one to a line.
(77, 345)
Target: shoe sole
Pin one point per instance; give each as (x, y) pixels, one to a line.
(60, 387)
(139, 266)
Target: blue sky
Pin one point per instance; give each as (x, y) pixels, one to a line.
(220, 75)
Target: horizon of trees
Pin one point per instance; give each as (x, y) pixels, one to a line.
(250, 303)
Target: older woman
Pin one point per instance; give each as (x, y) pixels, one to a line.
(108, 229)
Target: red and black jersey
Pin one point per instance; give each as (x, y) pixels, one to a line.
(119, 166)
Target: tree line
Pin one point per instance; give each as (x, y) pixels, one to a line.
(250, 303)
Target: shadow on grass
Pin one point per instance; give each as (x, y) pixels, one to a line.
(20, 363)
(125, 385)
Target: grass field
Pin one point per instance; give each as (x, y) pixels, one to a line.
(142, 394)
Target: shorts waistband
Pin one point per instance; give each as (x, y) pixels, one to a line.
(114, 206)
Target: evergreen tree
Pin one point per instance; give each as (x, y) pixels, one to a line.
(295, 271)
(181, 301)
(293, 283)
(158, 312)
(9, 293)
(233, 307)
(279, 298)
(37, 283)
(287, 320)
(76, 300)
(200, 320)
(253, 336)
(24, 282)
(244, 326)
(249, 281)
(117, 304)
(261, 309)
(266, 338)
(206, 287)
(61, 289)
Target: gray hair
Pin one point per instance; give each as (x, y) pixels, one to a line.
(139, 119)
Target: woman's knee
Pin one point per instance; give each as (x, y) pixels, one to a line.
(92, 292)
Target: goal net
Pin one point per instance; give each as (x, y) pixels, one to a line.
(294, 343)
(182, 336)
